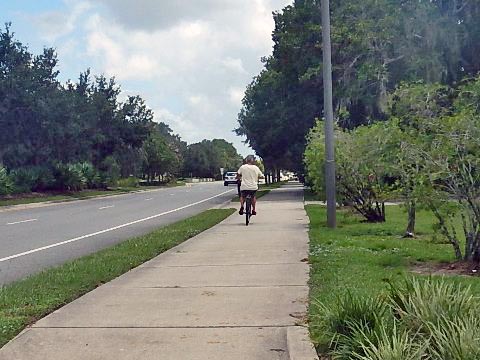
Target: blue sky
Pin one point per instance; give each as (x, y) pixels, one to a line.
(190, 59)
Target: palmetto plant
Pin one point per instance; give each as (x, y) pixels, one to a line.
(456, 340)
(420, 303)
(5, 182)
(350, 314)
(392, 344)
(422, 319)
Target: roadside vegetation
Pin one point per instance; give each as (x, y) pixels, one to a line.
(25, 301)
(375, 295)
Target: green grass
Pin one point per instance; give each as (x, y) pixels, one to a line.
(25, 301)
(360, 257)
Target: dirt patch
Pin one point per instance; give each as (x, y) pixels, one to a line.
(457, 268)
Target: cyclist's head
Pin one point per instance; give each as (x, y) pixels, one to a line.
(250, 159)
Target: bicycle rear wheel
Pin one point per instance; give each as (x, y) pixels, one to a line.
(248, 210)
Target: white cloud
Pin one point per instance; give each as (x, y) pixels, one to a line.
(56, 24)
(236, 96)
(232, 64)
(152, 15)
(118, 59)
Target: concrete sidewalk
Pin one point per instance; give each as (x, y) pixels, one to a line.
(231, 292)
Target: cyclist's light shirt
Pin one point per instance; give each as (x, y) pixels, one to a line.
(250, 175)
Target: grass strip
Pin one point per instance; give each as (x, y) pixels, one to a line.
(360, 257)
(25, 301)
(78, 195)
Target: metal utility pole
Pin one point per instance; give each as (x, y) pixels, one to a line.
(328, 110)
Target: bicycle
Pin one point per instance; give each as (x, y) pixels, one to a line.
(248, 208)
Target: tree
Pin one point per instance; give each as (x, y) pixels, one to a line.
(361, 179)
(411, 108)
(452, 171)
(159, 158)
(204, 159)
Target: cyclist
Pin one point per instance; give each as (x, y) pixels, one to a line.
(249, 174)
(239, 180)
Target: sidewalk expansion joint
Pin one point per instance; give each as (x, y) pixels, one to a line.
(214, 265)
(210, 286)
(168, 327)
(303, 227)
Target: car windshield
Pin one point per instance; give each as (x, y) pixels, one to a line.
(231, 174)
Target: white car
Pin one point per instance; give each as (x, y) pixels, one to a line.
(230, 178)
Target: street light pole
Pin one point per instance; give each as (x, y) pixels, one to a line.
(328, 109)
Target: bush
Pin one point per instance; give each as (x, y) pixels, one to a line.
(24, 179)
(92, 177)
(350, 317)
(420, 303)
(391, 344)
(6, 184)
(45, 178)
(456, 340)
(69, 177)
(426, 319)
(110, 171)
(128, 182)
(361, 170)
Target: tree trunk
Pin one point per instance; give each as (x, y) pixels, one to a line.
(444, 230)
(279, 175)
(412, 210)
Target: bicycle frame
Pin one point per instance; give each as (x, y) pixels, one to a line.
(248, 208)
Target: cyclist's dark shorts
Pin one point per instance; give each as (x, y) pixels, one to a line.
(248, 192)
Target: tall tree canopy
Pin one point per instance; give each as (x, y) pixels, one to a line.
(377, 45)
(204, 159)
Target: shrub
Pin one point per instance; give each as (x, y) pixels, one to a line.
(6, 184)
(45, 178)
(422, 319)
(128, 182)
(69, 177)
(110, 171)
(362, 180)
(456, 340)
(33, 178)
(93, 180)
(420, 303)
(24, 179)
(350, 317)
(391, 344)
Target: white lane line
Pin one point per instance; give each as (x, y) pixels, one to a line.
(22, 222)
(148, 199)
(106, 207)
(110, 229)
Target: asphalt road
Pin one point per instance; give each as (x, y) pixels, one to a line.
(38, 238)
